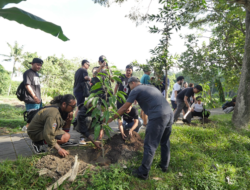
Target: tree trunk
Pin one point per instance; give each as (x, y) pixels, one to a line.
(241, 115)
(220, 90)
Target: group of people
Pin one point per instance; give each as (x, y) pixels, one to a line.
(51, 123)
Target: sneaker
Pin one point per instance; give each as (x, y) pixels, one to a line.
(37, 149)
(136, 173)
(69, 143)
(82, 141)
(24, 129)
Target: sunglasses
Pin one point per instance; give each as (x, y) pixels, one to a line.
(73, 106)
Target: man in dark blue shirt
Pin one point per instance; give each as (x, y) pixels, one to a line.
(159, 127)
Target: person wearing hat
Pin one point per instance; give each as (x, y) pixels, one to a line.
(32, 85)
(84, 122)
(81, 80)
(183, 101)
(159, 127)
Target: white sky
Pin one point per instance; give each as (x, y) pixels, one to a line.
(93, 30)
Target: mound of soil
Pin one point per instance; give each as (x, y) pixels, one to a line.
(115, 150)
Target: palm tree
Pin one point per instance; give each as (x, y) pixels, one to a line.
(16, 55)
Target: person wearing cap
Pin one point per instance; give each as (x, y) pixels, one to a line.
(81, 80)
(145, 79)
(31, 81)
(159, 127)
(183, 101)
(84, 122)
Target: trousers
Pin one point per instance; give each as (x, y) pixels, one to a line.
(158, 132)
(181, 106)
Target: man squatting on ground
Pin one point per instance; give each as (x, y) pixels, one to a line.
(159, 125)
(47, 125)
(32, 85)
(130, 121)
(183, 101)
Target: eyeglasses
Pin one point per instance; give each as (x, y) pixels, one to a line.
(73, 106)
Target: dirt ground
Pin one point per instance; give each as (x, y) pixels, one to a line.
(116, 150)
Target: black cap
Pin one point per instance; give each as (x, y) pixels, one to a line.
(102, 58)
(198, 98)
(37, 60)
(133, 79)
(198, 87)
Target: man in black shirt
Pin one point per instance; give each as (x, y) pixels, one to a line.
(130, 122)
(81, 79)
(32, 84)
(183, 100)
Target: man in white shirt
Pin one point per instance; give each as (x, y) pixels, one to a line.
(176, 88)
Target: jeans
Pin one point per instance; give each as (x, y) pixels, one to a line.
(127, 126)
(158, 132)
(181, 106)
(33, 106)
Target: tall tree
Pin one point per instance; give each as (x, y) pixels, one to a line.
(16, 56)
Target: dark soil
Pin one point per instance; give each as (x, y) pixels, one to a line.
(116, 150)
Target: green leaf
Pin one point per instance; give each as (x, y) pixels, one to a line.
(94, 102)
(5, 2)
(106, 116)
(32, 21)
(97, 131)
(95, 112)
(93, 95)
(105, 103)
(117, 79)
(102, 74)
(121, 96)
(96, 86)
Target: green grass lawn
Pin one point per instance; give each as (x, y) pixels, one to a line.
(211, 156)
(11, 119)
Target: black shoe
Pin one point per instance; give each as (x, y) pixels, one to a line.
(38, 148)
(136, 173)
(163, 169)
(69, 143)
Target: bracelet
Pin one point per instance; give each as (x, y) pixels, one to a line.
(59, 149)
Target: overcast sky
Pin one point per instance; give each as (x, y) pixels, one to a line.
(93, 30)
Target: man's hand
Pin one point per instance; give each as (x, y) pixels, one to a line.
(97, 145)
(103, 64)
(63, 152)
(189, 109)
(101, 134)
(123, 136)
(130, 132)
(70, 116)
(36, 100)
(192, 110)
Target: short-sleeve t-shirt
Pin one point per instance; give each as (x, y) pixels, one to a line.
(123, 86)
(30, 77)
(175, 88)
(145, 79)
(150, 100)
(133, 114)
(189, 92)
(79, 79)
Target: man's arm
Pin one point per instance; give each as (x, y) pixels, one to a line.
(121, 111)
(186, 102)
(121, 129)
(31, 92)
(136, 121)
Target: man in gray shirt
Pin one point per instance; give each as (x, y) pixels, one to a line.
(159, 127)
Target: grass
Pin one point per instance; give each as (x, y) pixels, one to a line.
(11, 119)
(211, 156)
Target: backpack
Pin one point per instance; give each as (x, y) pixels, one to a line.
(29, 115)
(20, 93)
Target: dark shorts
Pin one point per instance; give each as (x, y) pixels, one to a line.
(174, 105)
(79, 98)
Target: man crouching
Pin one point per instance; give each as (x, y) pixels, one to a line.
(47, 125)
